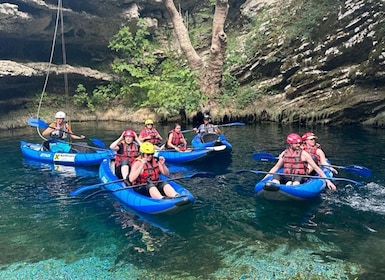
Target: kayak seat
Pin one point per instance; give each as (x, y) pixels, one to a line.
(271, 187)
(209, 137)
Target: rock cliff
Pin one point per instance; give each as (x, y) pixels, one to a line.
(336, 77)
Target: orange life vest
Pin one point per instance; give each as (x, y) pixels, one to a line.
(153, 133)
(130, 152)
(177, 140)
(150, 171)
(292, 163)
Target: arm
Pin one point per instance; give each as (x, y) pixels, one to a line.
(169, 142)
(143, 136)
(73, 136)
(136, 169)
(323, 160)
(306, 157)
(115, 145)
(49, 129)
(162, 166)
(277, 166)
(158, 135)
(217, 130)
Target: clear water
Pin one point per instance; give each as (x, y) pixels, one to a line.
(227, 234)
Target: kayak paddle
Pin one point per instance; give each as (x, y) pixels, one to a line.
(189, 149)
(221, 125)
(82, 189)
(304, 176)
(359, 170)
(42, 124)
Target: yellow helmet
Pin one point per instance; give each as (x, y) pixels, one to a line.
(147, 148)
(149, 121)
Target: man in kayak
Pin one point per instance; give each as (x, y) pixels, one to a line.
(310, 145)
(207, 130)
(127, 150)
(295, 162)
(146, 170)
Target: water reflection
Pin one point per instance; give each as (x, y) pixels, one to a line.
(227, 234)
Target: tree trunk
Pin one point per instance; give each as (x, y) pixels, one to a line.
(211, 76)
(194, 60)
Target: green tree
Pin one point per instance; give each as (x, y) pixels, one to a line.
(150, 78)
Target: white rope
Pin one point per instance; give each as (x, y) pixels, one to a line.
(59, 12)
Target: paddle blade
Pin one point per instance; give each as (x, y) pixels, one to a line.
(201, 175)
(263, 156)
(250, 171)
(80, 190)
(233, 124)
(37, 123)
(98, 142)
(360, 170)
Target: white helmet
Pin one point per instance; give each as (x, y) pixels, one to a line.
(60, 115)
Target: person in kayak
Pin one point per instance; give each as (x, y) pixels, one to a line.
(60, 129)
(295, 162)
(127, 150)
(207, 130)
(207, 126)
(146, 170)
(176, 139)
(310, 145)
(151, 134)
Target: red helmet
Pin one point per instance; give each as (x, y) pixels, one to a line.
(129, 133)
(308, 135)
(293, 138)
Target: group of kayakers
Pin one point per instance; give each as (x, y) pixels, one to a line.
(136, 165)
(302, 157)
(134, 160)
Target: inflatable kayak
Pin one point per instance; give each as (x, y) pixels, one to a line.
(211, 140)
(37, 152)
(308, 190)
(182, 157)
(141, 202)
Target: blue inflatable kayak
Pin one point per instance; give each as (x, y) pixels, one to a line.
(141, 202)
(183, 157)
(211, 140)
(37, 152)
(308, 190)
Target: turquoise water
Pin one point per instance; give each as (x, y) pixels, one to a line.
(227, 234)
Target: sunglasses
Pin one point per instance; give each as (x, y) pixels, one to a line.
(149, 154)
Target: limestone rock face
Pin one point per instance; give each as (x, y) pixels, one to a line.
(337, 77)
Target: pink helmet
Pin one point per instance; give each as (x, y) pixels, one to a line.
(309, 135)
(293, 138)
(129, 133)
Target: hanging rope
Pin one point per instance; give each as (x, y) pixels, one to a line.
(59, 14)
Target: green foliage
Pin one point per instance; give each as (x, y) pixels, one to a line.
(99, 98)
(172, 89)
(149, 78)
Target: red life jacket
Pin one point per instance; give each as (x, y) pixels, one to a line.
(130, 152)
(150, 170)
(176, 140)
(312, 150)
(153, 133)
(292, 163)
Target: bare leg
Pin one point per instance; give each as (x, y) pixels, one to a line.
(169, 191)
(155, 193)
(125, 170)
